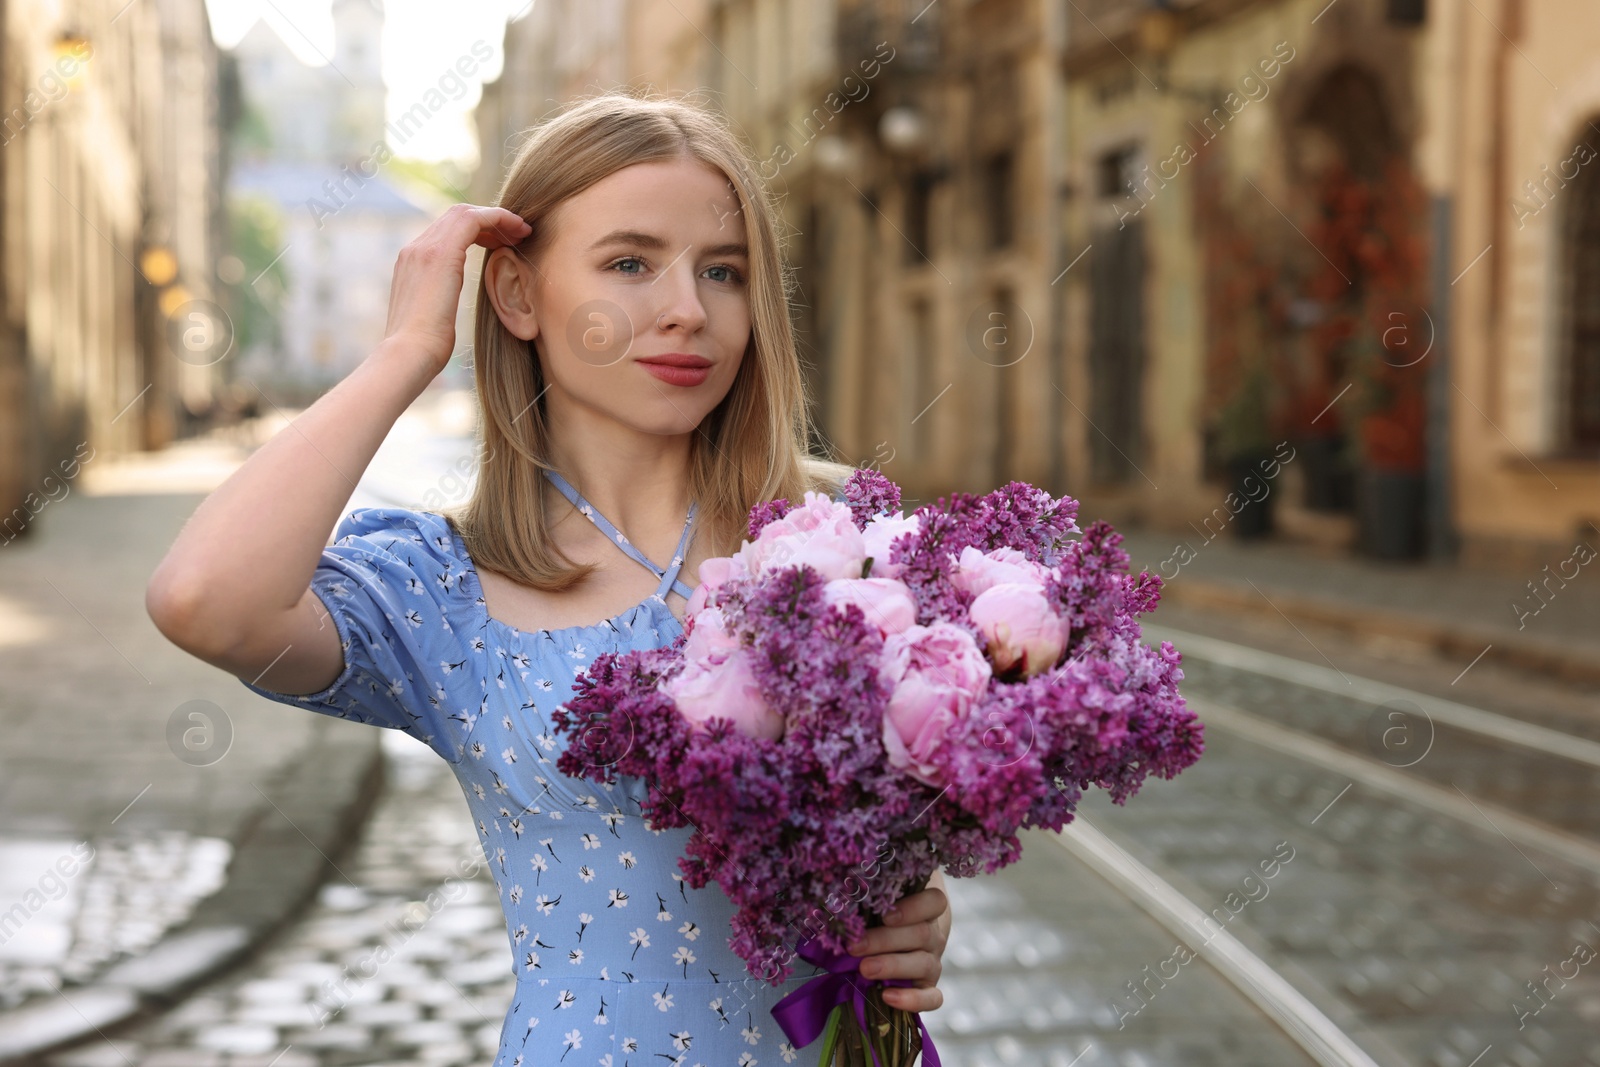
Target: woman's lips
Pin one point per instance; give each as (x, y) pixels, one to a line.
(686, 376)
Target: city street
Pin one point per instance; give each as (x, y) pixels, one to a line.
(1379, 860)
(1301, 298)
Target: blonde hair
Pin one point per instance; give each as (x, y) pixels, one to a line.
(749, 449)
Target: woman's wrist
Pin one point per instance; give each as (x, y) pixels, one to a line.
(404, 365)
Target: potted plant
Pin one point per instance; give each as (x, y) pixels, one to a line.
(1389, 451)
(1244, 443)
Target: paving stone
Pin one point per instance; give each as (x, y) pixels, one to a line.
(334, 1035)
(238, 1037)
(99, 1052)
(428, 1032)
(383, 1013)
(182, 1057)
(277, 1014)
(428, 992)
(288, 1057)
(272, 991)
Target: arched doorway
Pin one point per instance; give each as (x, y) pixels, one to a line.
(1355, 388)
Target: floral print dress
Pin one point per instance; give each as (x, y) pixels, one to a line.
(617, 961)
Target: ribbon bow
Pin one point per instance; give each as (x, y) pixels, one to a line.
(803, 1014)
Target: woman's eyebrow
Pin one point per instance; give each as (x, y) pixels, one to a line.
(640, 239)
(636, 238)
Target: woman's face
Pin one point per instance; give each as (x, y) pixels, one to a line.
(649, 262)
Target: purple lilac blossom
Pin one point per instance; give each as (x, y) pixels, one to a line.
(790, 828)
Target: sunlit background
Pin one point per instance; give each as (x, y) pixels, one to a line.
(1303, 296)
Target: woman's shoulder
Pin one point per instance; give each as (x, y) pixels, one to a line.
(391, 524)
(403, 539)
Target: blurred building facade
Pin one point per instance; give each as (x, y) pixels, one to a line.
(312, 114)
(912, 146)
(314, 175)
(1219, 266)
(110, 223)
(1346, 236)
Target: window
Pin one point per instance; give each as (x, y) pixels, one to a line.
(998, 193)
(1408, 12)
(1582, 298)
(1116, 354)
(919, 356)
(1116, 170)
(1008, 339)
(918, 227)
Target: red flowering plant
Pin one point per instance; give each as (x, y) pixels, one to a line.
(1373, 271)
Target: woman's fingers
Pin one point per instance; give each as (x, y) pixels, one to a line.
(921, 965)
(428, 276)
(914, 999)
(896, 939)
(922, 968)
(924, 904)
(464, 225)
(493, 227)
(910, 945)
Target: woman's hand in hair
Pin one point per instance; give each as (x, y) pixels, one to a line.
(428, 277)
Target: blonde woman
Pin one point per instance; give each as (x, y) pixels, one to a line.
(639, 393)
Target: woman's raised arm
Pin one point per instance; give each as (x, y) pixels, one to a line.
(234, 588)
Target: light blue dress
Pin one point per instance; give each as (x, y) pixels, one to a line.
(618, 962)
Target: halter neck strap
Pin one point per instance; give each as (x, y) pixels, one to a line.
(668, 575)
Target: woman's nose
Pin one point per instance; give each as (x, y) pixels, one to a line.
(679, 303)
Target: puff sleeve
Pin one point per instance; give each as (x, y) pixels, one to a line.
(392, 586)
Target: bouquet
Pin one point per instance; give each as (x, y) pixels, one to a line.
(859, 697)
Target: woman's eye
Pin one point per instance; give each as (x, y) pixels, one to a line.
(722, 274)
(629, 265)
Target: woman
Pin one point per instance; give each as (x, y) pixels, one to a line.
(637, 372)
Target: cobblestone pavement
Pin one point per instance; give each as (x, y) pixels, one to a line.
(1039, 961)
(149, 805)
(403, 958)
(1430, 928)
(133, 774)
(375, 974)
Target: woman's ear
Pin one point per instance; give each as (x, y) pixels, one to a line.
(508, 277)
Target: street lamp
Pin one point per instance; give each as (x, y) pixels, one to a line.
(903, 129)
(1158, 29)
(158, 265)
(70, 52)
(835, 155)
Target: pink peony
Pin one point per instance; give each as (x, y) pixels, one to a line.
(820, 533)
(976, 571)
(717, 681)
(714, 572)
(1019, 625)
(886, 603)
(937, 675)
(880, 535)
(708, 636)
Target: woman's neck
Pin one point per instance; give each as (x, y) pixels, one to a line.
(640, 482)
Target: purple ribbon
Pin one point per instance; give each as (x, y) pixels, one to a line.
(803, 1014)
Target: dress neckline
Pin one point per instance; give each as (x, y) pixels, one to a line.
(610, 625)
(668, 574)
